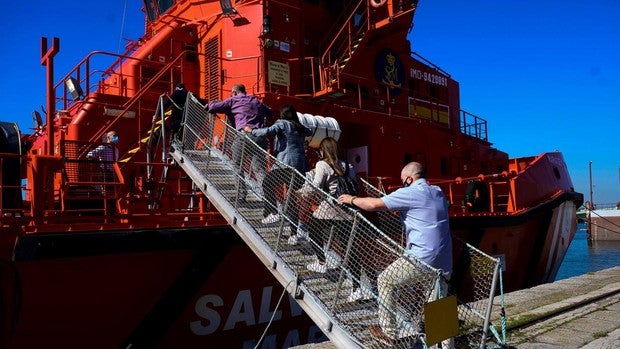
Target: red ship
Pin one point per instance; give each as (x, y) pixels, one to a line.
(150, 262)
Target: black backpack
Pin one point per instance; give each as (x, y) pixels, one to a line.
(345, 184)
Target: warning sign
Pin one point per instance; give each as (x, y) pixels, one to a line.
(279, 73)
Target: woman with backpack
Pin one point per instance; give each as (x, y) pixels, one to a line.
(328, 217)
(288, 148)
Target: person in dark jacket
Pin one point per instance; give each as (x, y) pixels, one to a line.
(288, 148)
(177, 102)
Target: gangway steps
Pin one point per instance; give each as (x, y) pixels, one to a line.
(325, 289)
(322, 296)
(328, 293)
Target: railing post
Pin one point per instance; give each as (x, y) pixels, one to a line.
(491, 198)
(487, 315)
(163, 128)
(288, 201)
(87, 78)
(345, 260)
(240, 181)
(47, 60)
(210, 133)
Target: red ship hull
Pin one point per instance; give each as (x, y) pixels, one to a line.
(156, 289)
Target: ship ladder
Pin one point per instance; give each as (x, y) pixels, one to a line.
(230, 169)
(157, 137)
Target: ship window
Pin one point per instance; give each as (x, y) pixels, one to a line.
(357, 19)
(556, 172)
(164, 5)
(150, 10)
(157, 7)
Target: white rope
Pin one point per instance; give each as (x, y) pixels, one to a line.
(273, 314)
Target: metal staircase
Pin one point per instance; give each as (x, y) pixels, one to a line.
(359, 20)
(205, 153)
(345, 41)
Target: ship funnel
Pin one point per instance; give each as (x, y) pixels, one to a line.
(321, 127)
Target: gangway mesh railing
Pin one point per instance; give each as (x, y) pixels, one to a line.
(245, 184)
(474, 314)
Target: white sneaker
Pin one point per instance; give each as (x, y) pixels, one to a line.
(272, 218)
(358, 294)
(333, 259)
(317, 267)
(292, 240)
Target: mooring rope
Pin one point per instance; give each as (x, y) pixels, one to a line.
(607, 220)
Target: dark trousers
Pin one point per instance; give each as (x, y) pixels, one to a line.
(275, 179)
(320, 230)
(175, 132)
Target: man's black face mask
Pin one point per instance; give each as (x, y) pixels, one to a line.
(407, 182)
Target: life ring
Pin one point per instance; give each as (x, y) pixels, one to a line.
(377, 3)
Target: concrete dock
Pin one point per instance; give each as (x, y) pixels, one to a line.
(579, 312)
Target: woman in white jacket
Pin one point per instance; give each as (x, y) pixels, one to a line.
(329, 216)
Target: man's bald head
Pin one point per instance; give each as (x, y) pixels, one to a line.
(413, 170)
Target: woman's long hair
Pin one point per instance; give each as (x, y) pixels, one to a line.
(289, 113)
(329, 147)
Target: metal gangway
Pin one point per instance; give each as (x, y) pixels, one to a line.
(229, 169)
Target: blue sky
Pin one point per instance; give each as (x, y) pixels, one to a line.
(544, 74)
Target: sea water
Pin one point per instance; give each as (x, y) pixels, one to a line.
(583, 257)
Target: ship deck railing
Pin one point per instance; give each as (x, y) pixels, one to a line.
(224, 164)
